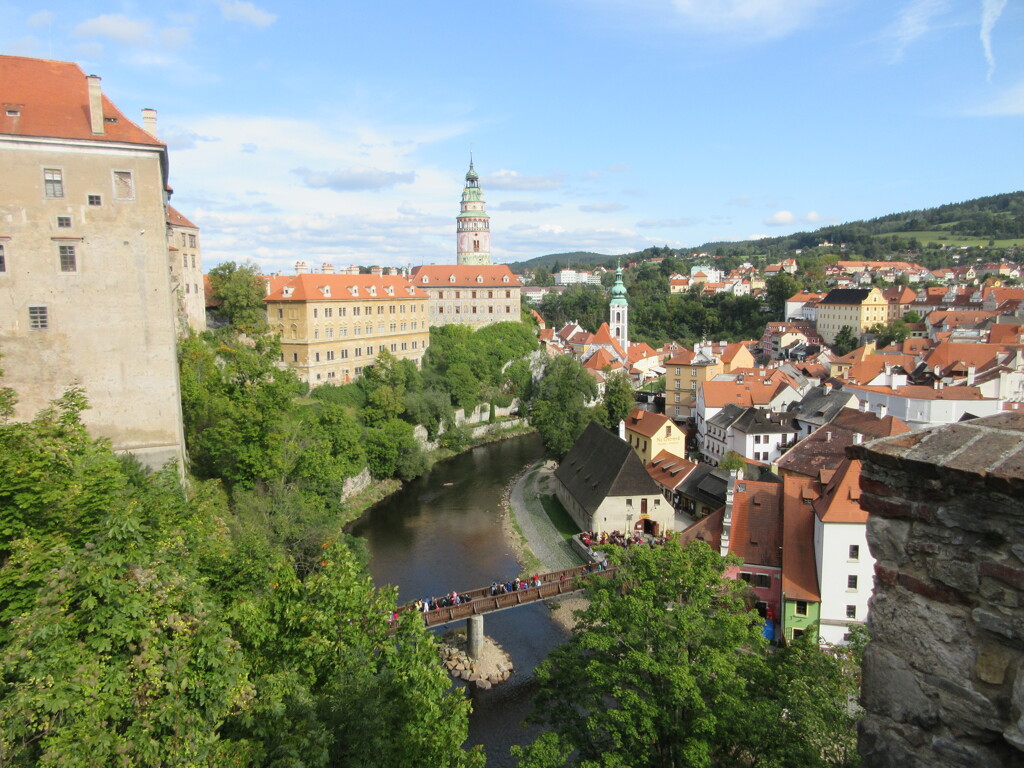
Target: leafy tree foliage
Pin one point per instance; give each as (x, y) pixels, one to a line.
(240, 290)
(845, 341)
(560, 410)
(618, 399)
(779, 288)
(732, 460)
(666, 667)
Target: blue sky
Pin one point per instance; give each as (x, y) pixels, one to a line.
(341, 131)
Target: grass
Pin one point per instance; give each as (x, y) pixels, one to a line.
(528, 561)
(945, 237)
(559, 518)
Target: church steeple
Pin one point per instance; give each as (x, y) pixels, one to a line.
(473, 225)
(618, 313)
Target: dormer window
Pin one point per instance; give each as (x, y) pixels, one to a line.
(287, 291)
(504, 279)
(326, 291)
(13, 113)
(479, 278)
(354, 290)
(390, 291)
(451, 278)
(426, 279)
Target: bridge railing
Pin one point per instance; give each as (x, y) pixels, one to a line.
(482, 601)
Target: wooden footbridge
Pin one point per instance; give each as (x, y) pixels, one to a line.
(482, 602)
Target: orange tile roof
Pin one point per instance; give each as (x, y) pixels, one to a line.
(752, 391)
(952, 354)
(756, 533)
(957, 317)
(669, 470)
(604, 336)
(799, 570)
(175, 219)
(492, 275)
(601, 360)
(306, 287)
(52, 98)
(682, 357)
(1005, 333)
(646, 423)
(640, 351)
(840, 501)
(921, 392)
(872, 365)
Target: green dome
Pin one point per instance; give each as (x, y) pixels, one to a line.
(618, 290)
(471, 174)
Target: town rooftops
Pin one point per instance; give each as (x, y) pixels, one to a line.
(175, 219)
(846, 296)
(646, 423)
(756, 533)
(799, 574)
(51, 99)
(669, 470)
(840, 501)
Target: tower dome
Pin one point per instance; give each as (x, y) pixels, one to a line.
(473, 225)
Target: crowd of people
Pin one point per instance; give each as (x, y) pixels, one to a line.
(515, 585)
(615, 538)
(437, 603)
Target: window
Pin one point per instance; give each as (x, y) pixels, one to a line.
(855, 552)
(124, 189)
(473, 295)
(188, 288)
(745, 577)
(851, 583)
(280, 313)
(797, 633)
(344, 354)
(851, 611)
(458, 294)
(329, 333)
(330, 354)
(316, 357)
(95, 200)
(315, 310)
(53, 183)
(68, 263)
(394, 347)
(629, 502)
(38, 318)
(192, 242)
(3, 259)
(490, 294)
(508, 294)
(414, 345)
(295, 357)
(64, 222)
(801, 608)
(762, 580)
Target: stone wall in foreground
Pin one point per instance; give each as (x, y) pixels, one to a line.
(944, 672)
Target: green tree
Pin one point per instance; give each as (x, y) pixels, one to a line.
(560, 410)
(779, 288)
(618, 398)
(392, 449)
(845, 342)
(732, 460)
(240, 290)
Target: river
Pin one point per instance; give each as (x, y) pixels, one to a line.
(442, 532)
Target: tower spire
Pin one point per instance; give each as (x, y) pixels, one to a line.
(473, 225)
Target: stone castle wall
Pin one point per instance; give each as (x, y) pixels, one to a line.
(943, 675)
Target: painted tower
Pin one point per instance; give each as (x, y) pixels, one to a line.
(473, 225)
(618, 313)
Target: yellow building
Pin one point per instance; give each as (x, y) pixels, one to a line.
(475, 295)
(84, 276)
(858, 308)
(687, 371)
(651, 433)
(333, 326)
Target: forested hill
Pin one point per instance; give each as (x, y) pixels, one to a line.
(993, 221)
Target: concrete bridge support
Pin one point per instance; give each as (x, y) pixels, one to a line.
(474, 636)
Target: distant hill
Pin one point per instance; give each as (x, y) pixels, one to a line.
(992, 221)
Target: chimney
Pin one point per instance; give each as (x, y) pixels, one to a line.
(827, 387)
(883, 409)
(862, 406)
(858, 438)
(622, 429)
(327, 268)
(828, 437)
(95, 104)
(301, 267)
(971, 370)
(149, 121)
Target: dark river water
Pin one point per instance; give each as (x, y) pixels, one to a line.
(443, 532)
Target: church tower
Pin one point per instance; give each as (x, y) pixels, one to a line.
(618, 313)
(473, 225)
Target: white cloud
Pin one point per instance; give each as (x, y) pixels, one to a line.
(1009, 102)
(40, 19)
(665, 223)
(602, 207)
(758, 19)
(505, 179)
(523, 206)
(240, 10)
(353, 179)
(779, 219)
(114, 26)
(811, 217)
(90, 50)
(914, 21)
(990, 12)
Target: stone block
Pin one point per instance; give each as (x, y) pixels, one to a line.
(992, 663)
(993, 622)
(890, 688)
(1014, 577)
(957, 574)
(962, 709)
(931, 637)
(887, 539)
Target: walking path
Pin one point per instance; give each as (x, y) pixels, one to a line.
(542, 538)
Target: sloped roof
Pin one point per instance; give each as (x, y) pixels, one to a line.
(759, 421)
(707, 485)
(601, 360)
(750, 391)
(821, 403)
(708, 530)
(175, 219)
(921, 392)
(868, 424)
(600, 465)
(669, 470)
(799, 570)
(951, 354)
(52, 99)
(646, 423)
(840, 501)
(873, 365)
(728, 416)
(307, 287)
(682, 357)
(604, 336)
(756, 533)
(846, 296)
(491, 275)
(640, 351)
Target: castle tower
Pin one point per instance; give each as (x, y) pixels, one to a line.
(618, 313)
(473, 225)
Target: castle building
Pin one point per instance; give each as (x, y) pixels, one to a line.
(473, 225)
(84, 278)
(618, 312)
(186, 262)
(469, 295)
(333, 326)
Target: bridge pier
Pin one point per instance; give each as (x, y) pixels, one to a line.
(474, 636)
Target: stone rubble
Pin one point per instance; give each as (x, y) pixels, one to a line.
(492, 668)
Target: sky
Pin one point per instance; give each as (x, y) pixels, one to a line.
(341, 131)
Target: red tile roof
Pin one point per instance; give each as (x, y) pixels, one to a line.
(491, 275)
(799, 570)
(307, 287)
(175, 219)
(646, 423)
(756, 533)
(669, 470)
(52, 99)
(840, 501)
